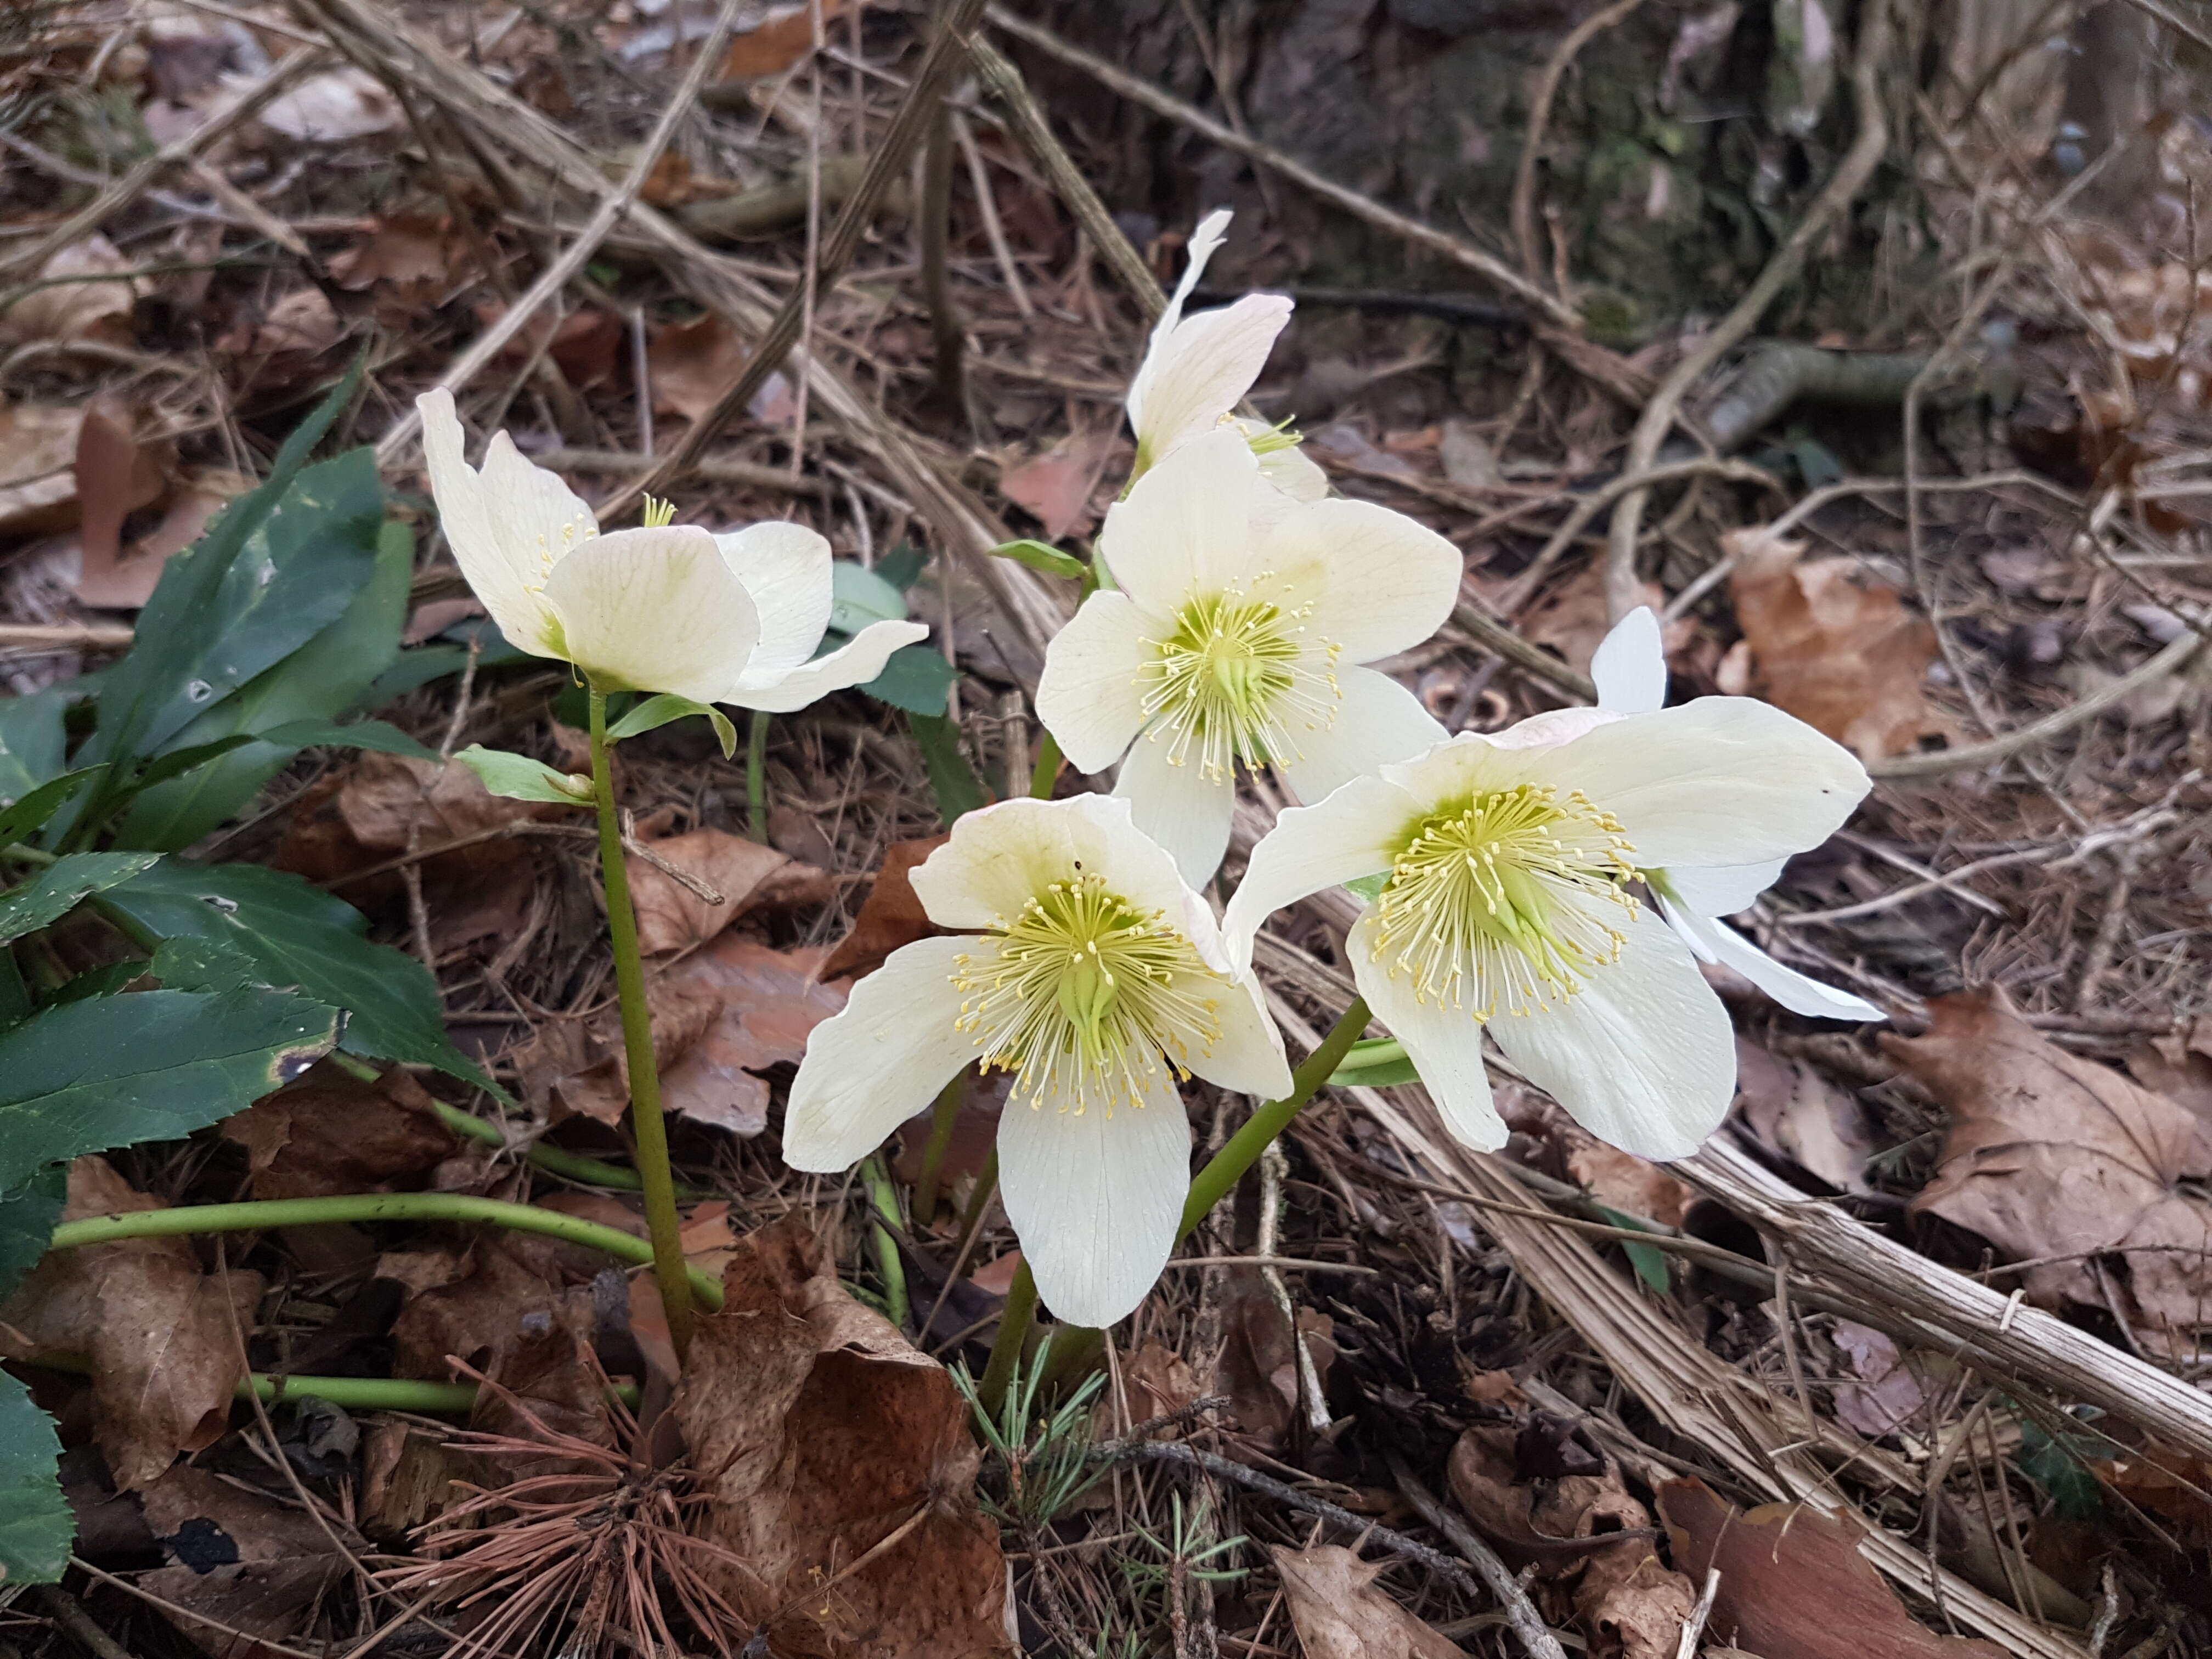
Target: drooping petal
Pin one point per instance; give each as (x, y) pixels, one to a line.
(878, 1060)
(1642, 1056)
(1211, 231)
(1378, 582)
(856, 662)
(1722, 781)
(1090, 696)
(1096, 1200)
(1354, 833)
(541, 519)
(1000, 857)
(1249, 1056)
(1201, 371)
(497, 571)
(1377, 722)
(1178, 806)
(653, 610)
(1799, 993)
(1444, 1044)
(1185, 528)
(1629, 667)
(1723, 889)
(786, 569)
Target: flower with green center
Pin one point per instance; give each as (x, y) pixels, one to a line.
(1235, 637)
(1507, 875)
(733, 618)
(1089, 973)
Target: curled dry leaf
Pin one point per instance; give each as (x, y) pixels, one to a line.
(768, 1002)
(746, 874)
(1795, 1112)
(40, 492)
(580, 1069)
(1340, 1611)
(1793, 1584)
(96, 306)
(414, 262)
(2169, 1484)
(2050, 1155)
(162, 1337)
(890, 915)
(829, 1437)
(116, 475)
(333, 1133)
(1258, 1368)
(780, 38)
(239, 1559)
(1842, 653)
(587, 346)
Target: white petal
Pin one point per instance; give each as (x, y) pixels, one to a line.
(1723, 889)
(539, 517)
(1249, 1056)
(856, 662)
(1192, 377)
(1089, 696)
(1642, 1056)
(1470, 763)
(1212, 230)
(878, 1060)
(1630, 664)
(1185, 528)
(1444, 1044)
(1353, 833)
(1553, 726)
(1378, 582)
(1096, 1200)
(653, 610)
(785, 567)
(1377, 722)
(1798, 992)
(1178, 806)
(1000, 857)
(1290, 469)
(1720, 780)
(506, 581)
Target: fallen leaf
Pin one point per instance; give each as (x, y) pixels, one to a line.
(1158, 1381)
(1573, 617)
(116, 475)
(2049, 1154)
(2178, 1065)
(299, 328)
(333, 1133)
(98, 307)
(585, 345)
(829, 1433)
(162, 1337)
(1630, 1603)
(768, 1001)
(2170, 1484)
(1466, 455)
(1258, 1367)
(1340, 1612)
(574, 1069)
(1795, 1112)
(1887, 1396)
(780, 39)
(1793, 1585)
(1531, 1483)
(414, 262)
(1057, 486)
(334, 107)
(1841, 651)
(40, 493)
(688, 365)
(748, 875)
(240, 1558)
(890, 917)
(1624, 1182)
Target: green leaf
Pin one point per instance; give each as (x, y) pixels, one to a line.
(413, 670)
(902, 565)
(859, 597)
(1041, 556)
(63, 885)
(914, 678)
(15, 995)
(205, 964)
(27, 1215)
(37, 1526)
(103, 982)
(658, 711)
(28, 813)
(83, 1077)
(518, 777)
(1648, 1260)
(2055, 1462)
(178, 761)
(953, 780)
(300, 936)
(32, 741)
(1375, 1063)
(381, 736)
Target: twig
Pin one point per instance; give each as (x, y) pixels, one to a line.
(994, 230)
(714, 472)
(1623, 591)
(1521, 1615)
(948, 334)
(1523, 215)
(83, 1629)
(2098, 961)
(65, 637)
(1115, 79)
(1694, 1625)
(1496, 637)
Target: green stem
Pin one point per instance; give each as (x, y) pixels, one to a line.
(1014, 1323)
(943, 1117)
(258, 1215)
(570, 1166)
(646, 1126)
(1046, 774)
(986, 1183)
(757, 775)
(357, 1394)
(889, 1263)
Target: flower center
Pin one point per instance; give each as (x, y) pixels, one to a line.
(1500, 903)
(1232, 682)
(1083, 995)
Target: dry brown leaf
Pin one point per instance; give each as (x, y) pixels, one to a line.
(581, 1070)
(747, 874)
(1057, 485)
(890, 916)
(162, 1336)
(2170, 1484)
(768, 1001)
(1842, 653)
(284, 343)
(1631, 1604)
(2178, 1065)
(1793, 1584)
(39, 492)
(512, 1306)
(1888, 1396)
(96, 308)
(778, 40)
(116, 475)
(1624, 1182)
(333, 1133)
(238, 1557)
(829, 1433)
(1159, 1382)
(415, 262)
(1574, 616)
(1341, 1612)
(334, 107)
(585, 345)
(689, 365)
(1258, 1368)
(1795, 1112)
(2049, 1154)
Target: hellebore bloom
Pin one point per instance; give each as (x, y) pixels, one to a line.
(1098, 980)
(666, 607)
(1198, 368)
(1236, 635)
(1507, 902)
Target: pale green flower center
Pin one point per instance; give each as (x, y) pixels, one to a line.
(1503, 902)
(1080, 995)
(1237, 681)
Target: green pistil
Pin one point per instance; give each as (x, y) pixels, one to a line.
(1233, 679)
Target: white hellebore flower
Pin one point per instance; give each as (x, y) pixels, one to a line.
(1098, 980)
(1236, 636)
(1509, 902)
(733, 619)
(1198, 368)
(1630, 669)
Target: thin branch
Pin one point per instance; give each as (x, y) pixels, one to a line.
(1523, 215)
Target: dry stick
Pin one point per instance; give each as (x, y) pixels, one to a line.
(995, 229)
(1622, 590)
(1115, 79)
(64, 636)
(714, 472)
(1521, 1615)
(1523, 215)
(948, 334)
(947, 53)
(1496, 638)
(574, 258)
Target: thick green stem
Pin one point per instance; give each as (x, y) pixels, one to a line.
(646, 1126)
(1014, 1323)
(1046, 774)
(260, 1214)
(757, 775)
(943, 1117)
(355, 1394)
(883, 1198)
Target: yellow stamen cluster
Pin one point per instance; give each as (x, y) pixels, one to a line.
(1081, 995)
(658, 514)
(1498, 903)
(574, 534)
(1234, 680)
